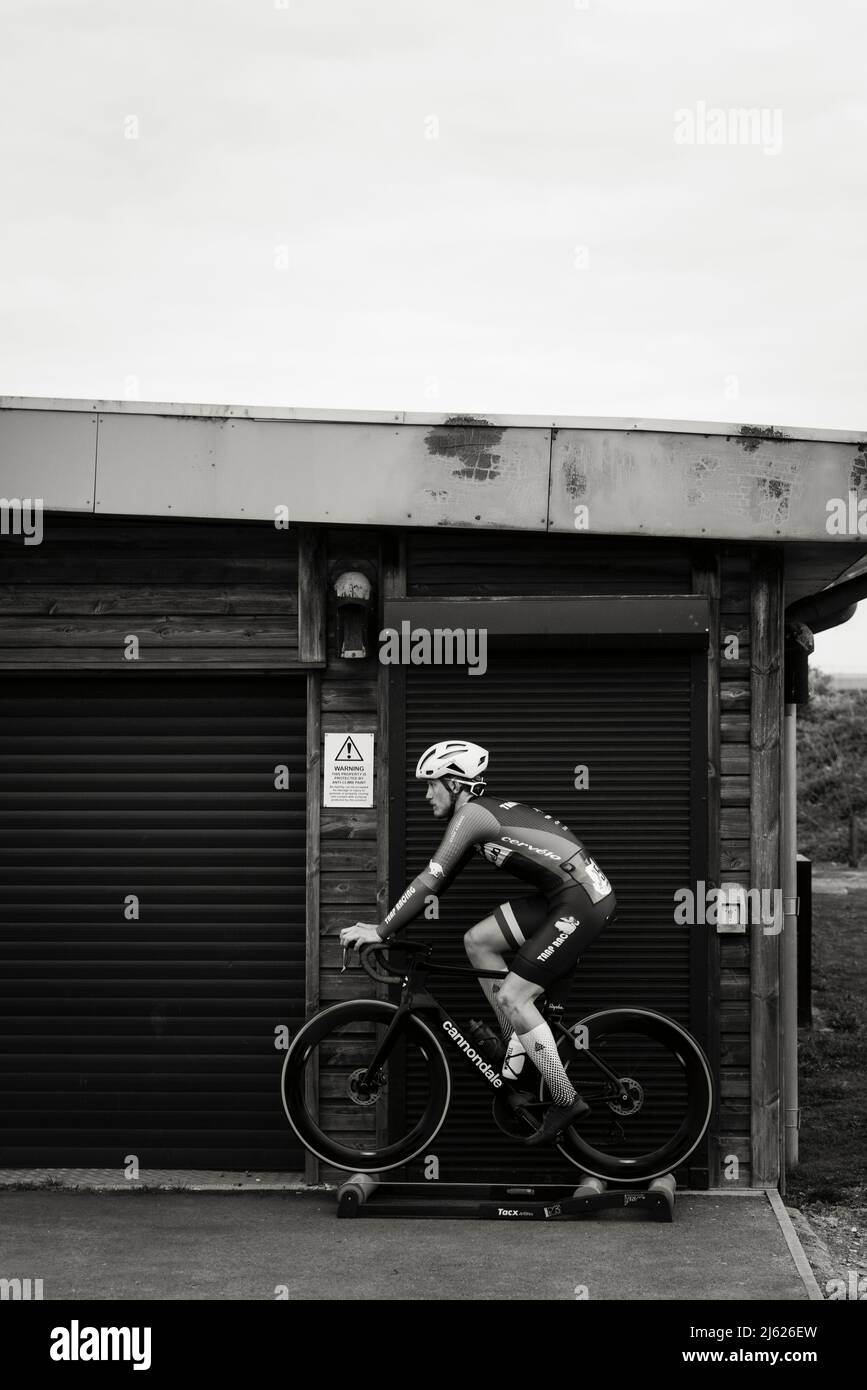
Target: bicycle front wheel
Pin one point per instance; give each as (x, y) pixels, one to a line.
(653, 1114)
(365, 1123)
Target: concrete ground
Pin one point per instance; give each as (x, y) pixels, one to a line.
(263, 1245)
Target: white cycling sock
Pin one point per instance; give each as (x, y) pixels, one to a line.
(513, 1063)
(541, 1048)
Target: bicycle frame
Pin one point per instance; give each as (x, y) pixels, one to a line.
(415, 998)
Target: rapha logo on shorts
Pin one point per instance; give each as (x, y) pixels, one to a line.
(436, 869)
(567, 924)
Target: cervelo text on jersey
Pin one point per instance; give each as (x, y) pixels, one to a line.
(512, 836)
(537, 849)
(533, 846)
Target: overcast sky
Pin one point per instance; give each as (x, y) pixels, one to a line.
(843, 648)
(474, 205)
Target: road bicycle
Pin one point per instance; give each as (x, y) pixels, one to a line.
(647, 1081)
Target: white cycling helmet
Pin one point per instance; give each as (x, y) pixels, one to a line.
(453, 758)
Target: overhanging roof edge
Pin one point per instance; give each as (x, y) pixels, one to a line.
(181, 410)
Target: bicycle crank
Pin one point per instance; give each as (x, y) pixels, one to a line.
(510, 1112)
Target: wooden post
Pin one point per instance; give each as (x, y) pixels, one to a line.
(766, 695)
(706, 580)
(392, 573)
(311, 953)
(392, 585)
(312, 580)
(311, 649)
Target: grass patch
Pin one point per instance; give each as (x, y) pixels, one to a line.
(832, 1059)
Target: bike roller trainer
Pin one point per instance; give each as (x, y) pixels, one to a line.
(364, 1194)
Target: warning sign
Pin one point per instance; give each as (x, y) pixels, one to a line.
(349, 753)
(348, 770)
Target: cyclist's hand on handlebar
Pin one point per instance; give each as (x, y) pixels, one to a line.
(358, 935)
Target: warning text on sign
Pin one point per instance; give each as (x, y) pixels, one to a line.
(348, 770)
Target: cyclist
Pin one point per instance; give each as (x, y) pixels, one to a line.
(549, 930)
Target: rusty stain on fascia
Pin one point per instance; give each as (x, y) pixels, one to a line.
(574, 479)
(470, 442)
(196, 419)
(750, 435)
(858, 471)
(469, 420)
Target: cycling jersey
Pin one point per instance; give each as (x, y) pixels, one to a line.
(511, 836)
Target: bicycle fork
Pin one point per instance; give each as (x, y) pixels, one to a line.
(383, 1051)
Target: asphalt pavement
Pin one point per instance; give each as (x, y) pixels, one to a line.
(266, 1245)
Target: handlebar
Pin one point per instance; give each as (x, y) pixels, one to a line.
(371, 950)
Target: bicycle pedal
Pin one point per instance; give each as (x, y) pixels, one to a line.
(549, 1131)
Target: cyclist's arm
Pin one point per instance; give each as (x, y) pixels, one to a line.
(471, 824)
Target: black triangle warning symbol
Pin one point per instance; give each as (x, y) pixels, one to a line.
(349, 753)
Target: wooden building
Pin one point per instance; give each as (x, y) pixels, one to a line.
(174, 878)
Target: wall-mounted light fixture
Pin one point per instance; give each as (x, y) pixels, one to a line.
(353, 598)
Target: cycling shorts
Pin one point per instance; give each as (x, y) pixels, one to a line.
(550, 934)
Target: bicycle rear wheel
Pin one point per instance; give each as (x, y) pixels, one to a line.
(656, 1117)
(345, 1128)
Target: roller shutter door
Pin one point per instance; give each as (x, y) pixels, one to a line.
(153, 1037)
(632, 718)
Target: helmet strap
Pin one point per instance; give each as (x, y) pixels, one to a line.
(453, 795)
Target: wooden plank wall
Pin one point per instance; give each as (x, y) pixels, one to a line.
(750, 702)
(196, 594)
(488, 562)
(734, 863)
(766, 674)
(350, 852)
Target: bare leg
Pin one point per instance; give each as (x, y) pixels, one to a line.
(517, 1000)
(484, 944)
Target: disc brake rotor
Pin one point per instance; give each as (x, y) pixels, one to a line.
(360, 1094)
(630, 1098)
